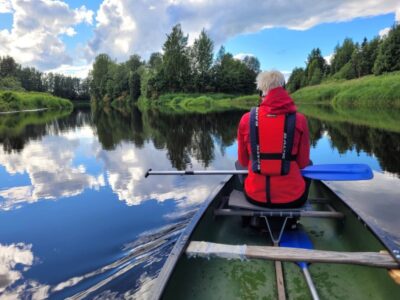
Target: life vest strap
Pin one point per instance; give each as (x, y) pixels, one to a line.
(276, 156)
(259, 160)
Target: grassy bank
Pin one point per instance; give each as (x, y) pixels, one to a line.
(16, 101)
(199, 103)
(369, 91)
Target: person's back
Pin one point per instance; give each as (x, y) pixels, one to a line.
(275, 189)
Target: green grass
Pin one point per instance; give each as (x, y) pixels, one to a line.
(369, 91)
(16, 101)
(199, 103)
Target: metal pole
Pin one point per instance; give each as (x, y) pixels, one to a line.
(310, 284)
(189, 172)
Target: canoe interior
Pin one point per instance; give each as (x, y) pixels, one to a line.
(216, 278)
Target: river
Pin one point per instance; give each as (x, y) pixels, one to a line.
(77, 216)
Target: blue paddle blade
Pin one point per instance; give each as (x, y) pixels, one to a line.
(338, 172)
(297, 239)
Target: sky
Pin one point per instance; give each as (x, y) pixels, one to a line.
(65, 36)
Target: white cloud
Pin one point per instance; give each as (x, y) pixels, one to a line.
(11, 256)
(398, 14)
(384, 32)
(5, 6)
(35, 36)
(124, 27)
(80, 70)
(241, 56)
(328, 58)
(286, 74)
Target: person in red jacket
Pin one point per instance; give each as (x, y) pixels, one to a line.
(274, 178)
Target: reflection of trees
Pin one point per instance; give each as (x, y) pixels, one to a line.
(316, 130)
(385, 145)
(182, 135)
(193, 134)
(114, 127)
(17, 129)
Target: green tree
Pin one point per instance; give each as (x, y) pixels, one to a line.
(315, 68)
(220, 55)
(252, 63)
(342, 55)
(155, 61)
(99, 75)
(202, 58)
(388, 58)
(176, 67)
(296, 80)
(8, 67)
(134, 85)
(233, 76)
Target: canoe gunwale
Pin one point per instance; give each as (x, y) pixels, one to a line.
(378, 235)
(183, 241)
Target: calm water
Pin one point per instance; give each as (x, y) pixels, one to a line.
(77, 217)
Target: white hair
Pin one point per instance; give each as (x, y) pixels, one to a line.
(269, 80)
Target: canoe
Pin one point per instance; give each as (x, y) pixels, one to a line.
(341, 231)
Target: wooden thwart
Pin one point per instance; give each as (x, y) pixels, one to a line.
(373, 259)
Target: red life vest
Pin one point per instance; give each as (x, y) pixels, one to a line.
(271, 140)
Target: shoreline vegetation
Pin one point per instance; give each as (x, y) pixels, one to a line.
(22, 101)
(379, 92)
(199, 103)
(371, 91)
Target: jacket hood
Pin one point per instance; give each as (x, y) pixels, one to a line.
(278, 101)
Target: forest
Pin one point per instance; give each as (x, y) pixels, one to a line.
(179, 69)
(14, 77)
(350, 60)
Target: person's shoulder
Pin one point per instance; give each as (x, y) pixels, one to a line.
(245, 117)
(244, 121)
(301, 119)
(300, 116)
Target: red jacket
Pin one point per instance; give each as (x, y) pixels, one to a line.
(282, 189)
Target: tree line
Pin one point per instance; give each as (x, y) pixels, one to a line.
(350, 60)
(15, 77)
(180, 68)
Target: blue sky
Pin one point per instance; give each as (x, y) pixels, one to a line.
(284, 49)
(66, 35)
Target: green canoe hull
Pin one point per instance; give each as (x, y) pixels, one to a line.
(218, 278)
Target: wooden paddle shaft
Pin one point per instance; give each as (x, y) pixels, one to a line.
(373, 259)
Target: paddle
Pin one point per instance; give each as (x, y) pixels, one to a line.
(321, 172)
(300, 239)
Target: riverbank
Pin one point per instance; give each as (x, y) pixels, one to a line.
(370, 91)
(199, 103)
(22, 101)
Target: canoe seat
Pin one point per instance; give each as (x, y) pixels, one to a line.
(237, 199)
(237, 205)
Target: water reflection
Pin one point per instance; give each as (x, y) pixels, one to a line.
(347, 136)
(49, 163)
(183, 136)
(18, 129)
(97, 228)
